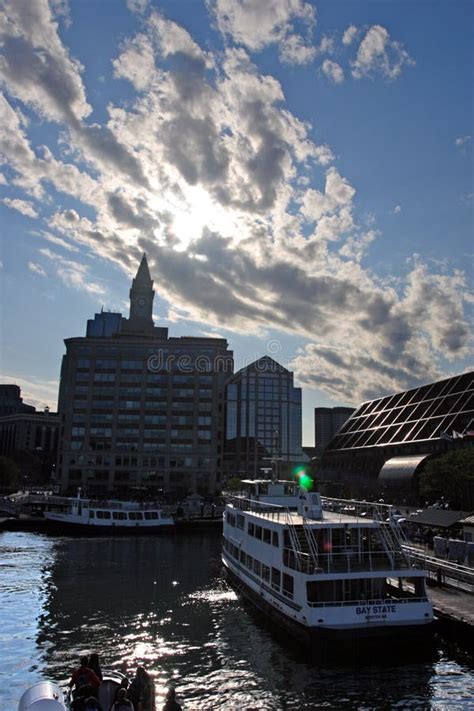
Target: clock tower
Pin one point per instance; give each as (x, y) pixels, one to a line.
(141, 298)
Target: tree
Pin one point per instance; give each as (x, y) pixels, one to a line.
(448, 476)
(9, 474)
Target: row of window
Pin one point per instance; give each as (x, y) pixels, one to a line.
(281, 582)
(123, 515)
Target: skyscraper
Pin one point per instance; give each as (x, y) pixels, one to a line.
(139, 408)
(327, 422)
(263, 420)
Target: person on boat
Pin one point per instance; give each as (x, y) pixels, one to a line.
(83, 676)
(92, 704)
(141, 691)
(94, 664)
(122, 703)
(171, 704)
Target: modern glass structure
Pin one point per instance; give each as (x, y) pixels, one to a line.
(415, 423)
(263, 419)
(139, 408)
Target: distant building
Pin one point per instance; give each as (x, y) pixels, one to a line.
(11, 401)
(263, 420)
(28, 437)
(140, 409)
(390, 438)
(327, 422)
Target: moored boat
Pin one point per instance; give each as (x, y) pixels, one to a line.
(84, 515)
(323, 567)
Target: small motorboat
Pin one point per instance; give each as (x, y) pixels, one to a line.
(47, 696)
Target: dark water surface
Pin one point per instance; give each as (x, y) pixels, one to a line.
(161, 601)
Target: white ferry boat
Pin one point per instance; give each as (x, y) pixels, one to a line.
(323, 567)
(87, 515)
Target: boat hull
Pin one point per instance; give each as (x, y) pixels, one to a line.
(400, 634)
(72, 528)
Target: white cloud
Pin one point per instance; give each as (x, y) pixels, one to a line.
(24, 206)
(256, 24)
(333, 71)
(462, 141)
(397, 209)
(350, 35)
(36, 269)
(294, 50)
(73, 274)
(378, 53)
(138, 6)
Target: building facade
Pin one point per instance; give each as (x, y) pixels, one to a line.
(140, 409)
(263, 420)
(327, 422)
(28, 437)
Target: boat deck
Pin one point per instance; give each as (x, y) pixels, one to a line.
(329, 518)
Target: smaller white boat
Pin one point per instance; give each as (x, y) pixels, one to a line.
(47, 696)
(84, 515)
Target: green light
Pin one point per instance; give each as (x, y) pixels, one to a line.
(303, 478)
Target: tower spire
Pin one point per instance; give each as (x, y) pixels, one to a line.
(141, 297)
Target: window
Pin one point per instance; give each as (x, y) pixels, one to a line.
(151, 515)
(258, 532)
(288, 585)
(275, 541)
(267, 535)
(276, 578)
(119, 515)
(265, 572)
(91, 513)
(240, 521)
(103, 514)
(251, 529)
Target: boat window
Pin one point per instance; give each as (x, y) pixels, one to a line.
(151, 515)
(267, 535)
(276, 577)
(139, 516)
(258, 532)
(103, 514)
(288, 585)
(119, 515)
(230, 518)
(275, 539)
(265, 572)
(91, 513)
(242, 557)
(257, 567)
(324, 591)
(251, 529)
(132, 515)
(240, 521)
(249, 562)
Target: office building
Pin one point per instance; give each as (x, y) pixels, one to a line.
(140, 409)
(263, 420)
(327, 422)
(28, 437)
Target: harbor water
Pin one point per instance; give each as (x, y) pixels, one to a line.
(161, 601)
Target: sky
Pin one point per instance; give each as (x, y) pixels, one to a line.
(299, 173)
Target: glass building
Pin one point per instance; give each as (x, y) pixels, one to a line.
(263, 420)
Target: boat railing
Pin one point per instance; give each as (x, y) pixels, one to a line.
(344, 562)
(358, 509)
(369, 603)
(275, 512)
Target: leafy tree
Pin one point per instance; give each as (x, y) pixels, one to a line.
(9, 473)
(448, 475)
(233, 484)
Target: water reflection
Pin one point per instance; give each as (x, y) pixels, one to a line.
(162, 602)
